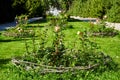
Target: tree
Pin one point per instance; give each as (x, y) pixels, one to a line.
(6, 11)
(76, 7)
(34, 8)
(19, 7)
(114, 13)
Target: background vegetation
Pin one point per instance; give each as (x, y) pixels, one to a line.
(82, 8)
(96, 8)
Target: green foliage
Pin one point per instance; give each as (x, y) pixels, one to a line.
(39, 7)
(96, 8)
(87, 8)
(114, 13)
(29, 7)
(19, 6)
(35, 8)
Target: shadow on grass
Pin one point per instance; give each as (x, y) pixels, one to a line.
(4, 61)
(34, 26)
(11, 40)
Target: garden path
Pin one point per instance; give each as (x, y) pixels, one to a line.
(108, 24)
(115, 25)
(13, 24)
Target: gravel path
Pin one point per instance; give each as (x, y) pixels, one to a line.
(83, 19)
(7, 25)
(108, 24)
(115, 25)
(13, 24)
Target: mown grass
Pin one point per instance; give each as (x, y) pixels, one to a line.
(10, 47)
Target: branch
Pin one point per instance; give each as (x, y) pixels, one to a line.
(58, 68)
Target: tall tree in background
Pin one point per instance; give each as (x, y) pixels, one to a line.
(77, 8)
(83, 8)
(65, 4)
(19, 6)
(113, 14)
(34, 8)
(6, 11)
(96, 8)
(29, 7)
(38, 7)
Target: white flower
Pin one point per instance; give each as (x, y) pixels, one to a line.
(78, 33)
(57, 28)
(104, 17)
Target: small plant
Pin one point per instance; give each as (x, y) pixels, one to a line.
(86, 56)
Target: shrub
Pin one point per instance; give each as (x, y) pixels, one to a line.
(58, 58)
(84, 54)
(113, 14)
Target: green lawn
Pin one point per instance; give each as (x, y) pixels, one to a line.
(10, 47)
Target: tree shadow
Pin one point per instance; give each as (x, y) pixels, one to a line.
(4, 61)
(11, 40)
(34, 26)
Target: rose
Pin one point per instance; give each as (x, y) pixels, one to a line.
(57, 28)
(79, 33)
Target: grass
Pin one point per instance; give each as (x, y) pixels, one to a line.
(110, 46)
(10, 47)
